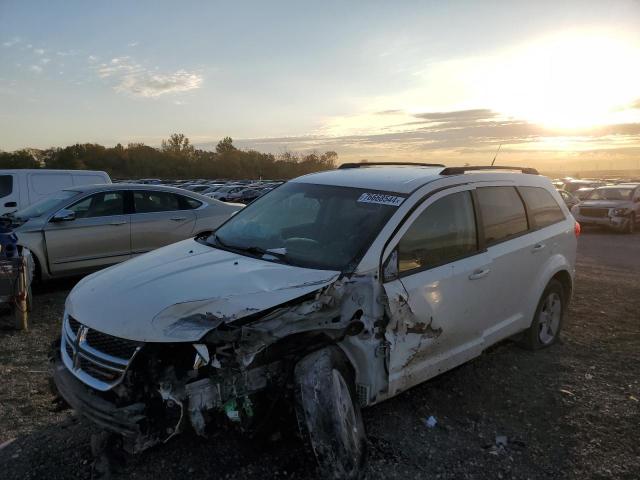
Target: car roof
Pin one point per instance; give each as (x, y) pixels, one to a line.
(407, 178)
(131, 186)
(401, 178)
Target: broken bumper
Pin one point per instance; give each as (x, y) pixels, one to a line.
(614, 222)
(125, 421)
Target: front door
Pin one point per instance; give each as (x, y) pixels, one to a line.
(437, 302)
(98, 236)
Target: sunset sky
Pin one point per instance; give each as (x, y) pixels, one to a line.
(557, 83)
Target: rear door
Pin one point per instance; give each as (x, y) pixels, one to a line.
(99, 236)
(438, 302)
(159, 218)
(515, 258)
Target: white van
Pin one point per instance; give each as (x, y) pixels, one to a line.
(21, 188)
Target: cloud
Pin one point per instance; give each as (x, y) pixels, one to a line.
(11, 42)
(133, 44)
(134, 79)
(35, 68)
(92, 58)
(458, 115)
(38, 51)
(44, 61)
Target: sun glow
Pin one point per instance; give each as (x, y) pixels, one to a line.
(571, 80)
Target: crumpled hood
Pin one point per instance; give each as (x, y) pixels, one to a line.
(149, 297)
(605, 203)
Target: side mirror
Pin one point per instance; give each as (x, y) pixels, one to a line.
(64, 215)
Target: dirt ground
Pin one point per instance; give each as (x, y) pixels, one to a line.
(569, 412)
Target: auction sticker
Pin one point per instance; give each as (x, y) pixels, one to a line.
(381, 199)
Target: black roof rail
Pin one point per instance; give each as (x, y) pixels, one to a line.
(373, 164)
(460, 170)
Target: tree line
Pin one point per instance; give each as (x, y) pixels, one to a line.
(176, 158)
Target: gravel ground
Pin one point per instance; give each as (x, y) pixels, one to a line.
(571, 411)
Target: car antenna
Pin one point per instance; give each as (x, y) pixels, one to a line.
(496, 155)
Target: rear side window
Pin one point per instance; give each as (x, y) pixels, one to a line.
(444, 231)
(543, 208)
(6, 185)
(503, 213)
(149, 201)
(187, 203)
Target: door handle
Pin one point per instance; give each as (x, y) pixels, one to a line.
(538, 247)
(118, 222)
(178, 219)
(11, 204)
(480, 273)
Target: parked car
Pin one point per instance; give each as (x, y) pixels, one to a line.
(336, 291)
(246, 195)
(570, 200)
(572, 186)
(613, 206)
(81, 229)
(21, 188)
(583, 192)
(223, 193)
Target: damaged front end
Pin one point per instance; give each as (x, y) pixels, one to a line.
(148, 392)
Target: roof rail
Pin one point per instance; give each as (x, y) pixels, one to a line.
(373, 164)
(459, 170)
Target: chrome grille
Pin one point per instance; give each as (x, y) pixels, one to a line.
(594, 212)
(98, 359)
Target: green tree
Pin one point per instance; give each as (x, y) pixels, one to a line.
(225, 146)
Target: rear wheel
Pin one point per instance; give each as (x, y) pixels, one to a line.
(631, 225)
(547, 322)
(328, 416)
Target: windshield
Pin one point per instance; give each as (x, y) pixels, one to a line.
(46, 204)
(611, 194)
(315, 226)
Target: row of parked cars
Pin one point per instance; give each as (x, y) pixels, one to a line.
(613, 203)
(240, 191)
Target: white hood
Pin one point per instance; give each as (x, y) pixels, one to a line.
(148, 298)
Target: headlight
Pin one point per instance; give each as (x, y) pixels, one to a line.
(620, 212)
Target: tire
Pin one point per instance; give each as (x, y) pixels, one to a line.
(548, 319)
(328, 417)
(631, 226)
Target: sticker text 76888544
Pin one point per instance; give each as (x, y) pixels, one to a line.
(380, 198)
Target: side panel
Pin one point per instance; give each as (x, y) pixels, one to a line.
(42, 184)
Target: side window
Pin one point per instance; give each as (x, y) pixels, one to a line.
(6, 185)
(444, 231)
(149, 201)
(100, 205)
(503, 213)
(543, 208)
(188, 203)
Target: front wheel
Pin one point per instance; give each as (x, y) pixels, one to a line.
(547, 321)
(328, 416)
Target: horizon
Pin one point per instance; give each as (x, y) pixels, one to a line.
(558, 86)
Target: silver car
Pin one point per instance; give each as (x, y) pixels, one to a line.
(82, 229)
(613, 206)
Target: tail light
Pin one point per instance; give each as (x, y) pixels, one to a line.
(577, 229)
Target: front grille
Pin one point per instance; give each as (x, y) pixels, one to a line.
(98, 359)
(74, 325)
(594, 212)
(98, 371)
(114, 346)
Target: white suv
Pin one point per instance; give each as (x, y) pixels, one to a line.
(335, 291)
